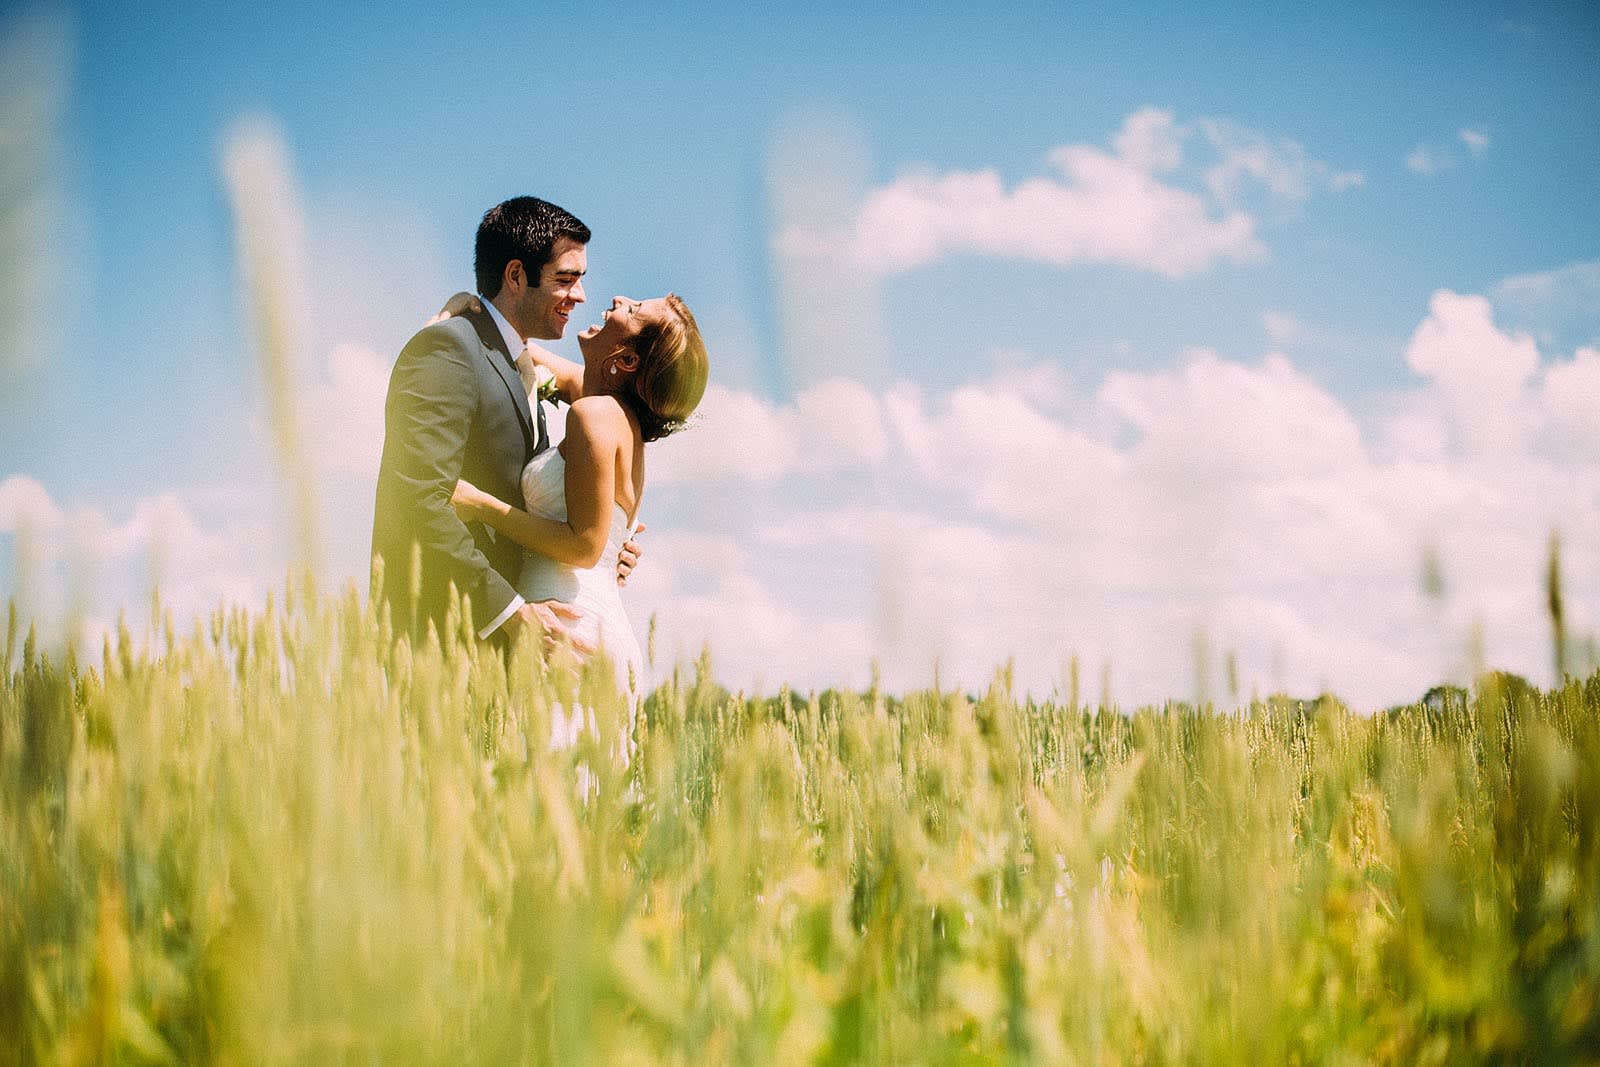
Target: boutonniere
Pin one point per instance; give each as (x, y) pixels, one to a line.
(544, 385)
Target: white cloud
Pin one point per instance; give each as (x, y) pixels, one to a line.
(1427, 161)
(1222, 419)
(339, 410)
(86, 562)
(1281, 166)
(26, 506)
(155, 523)
(1014, 517)
(759, 640)
(1116, 207)
(1107, 211)
(343, 403)
(1432, 159)
(1476, 139)
(1243, 501)
(1480, 372)
(1571, 400)
(1011, 458)
(834, 425)
(1282, 327)
(1150, 140)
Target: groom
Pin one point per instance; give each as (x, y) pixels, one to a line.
(458, 408)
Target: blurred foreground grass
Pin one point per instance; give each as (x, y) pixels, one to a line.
(283, 839)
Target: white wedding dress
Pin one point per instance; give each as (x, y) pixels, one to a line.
(592, 590)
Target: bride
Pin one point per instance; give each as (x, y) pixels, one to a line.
(644, 370)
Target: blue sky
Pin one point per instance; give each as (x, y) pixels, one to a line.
(809, 181)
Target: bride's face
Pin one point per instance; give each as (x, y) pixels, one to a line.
(619, 326)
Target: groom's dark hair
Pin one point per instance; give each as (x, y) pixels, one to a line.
(524, 228)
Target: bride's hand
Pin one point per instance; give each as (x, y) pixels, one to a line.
(457, 305)
(468, 500)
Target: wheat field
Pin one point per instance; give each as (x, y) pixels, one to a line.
(285, 837)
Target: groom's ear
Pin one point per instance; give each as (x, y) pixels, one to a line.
(515, 276)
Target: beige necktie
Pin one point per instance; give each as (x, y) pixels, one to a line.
(525, 371)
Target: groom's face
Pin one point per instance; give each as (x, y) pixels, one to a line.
(546, 302)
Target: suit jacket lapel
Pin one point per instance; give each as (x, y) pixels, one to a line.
(494, 343)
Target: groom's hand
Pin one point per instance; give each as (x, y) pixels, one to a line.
(553, 621)
(628, 556)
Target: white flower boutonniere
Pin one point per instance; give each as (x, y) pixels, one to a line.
(544, 385)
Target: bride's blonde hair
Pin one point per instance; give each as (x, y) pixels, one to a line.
(672, 373)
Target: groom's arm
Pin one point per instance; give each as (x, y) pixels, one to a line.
(433, 396)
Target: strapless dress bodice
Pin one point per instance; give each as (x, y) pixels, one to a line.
(592, 590)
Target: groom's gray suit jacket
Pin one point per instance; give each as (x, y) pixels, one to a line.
(456, 409)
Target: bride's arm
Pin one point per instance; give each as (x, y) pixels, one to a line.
(569, 375)
(590, 450)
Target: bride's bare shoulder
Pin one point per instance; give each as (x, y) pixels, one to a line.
(599, 419)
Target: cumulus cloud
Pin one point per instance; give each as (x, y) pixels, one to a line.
(1240, 500)
(1282, 327)
(24, 505)
(717, 590)
(834, 425)
(339, 406)
(954, 445)
(160, 522)
(1019, 517)
(1136, 205)
(343, 402)
(1480, 372)
(1281, 166)
(1107, 211)
(1570, 398)
(89, 563)
(1222, 419)
(762, 641)
(1429, 160)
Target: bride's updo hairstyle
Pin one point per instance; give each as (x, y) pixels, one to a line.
(672, 372)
